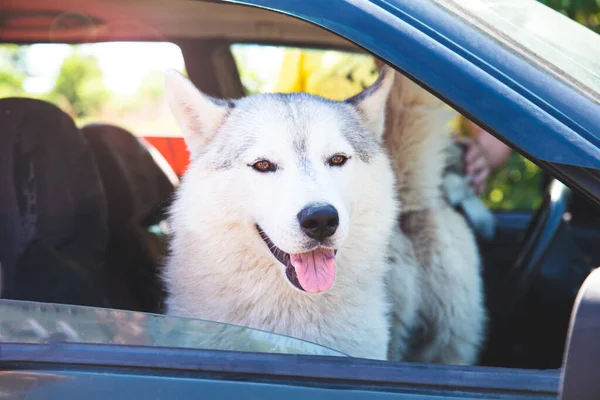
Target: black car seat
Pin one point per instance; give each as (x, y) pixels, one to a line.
(53, 222)
(139, 185)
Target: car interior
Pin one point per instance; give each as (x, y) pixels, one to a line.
(83, 218)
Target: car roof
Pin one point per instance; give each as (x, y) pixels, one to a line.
(85, 21)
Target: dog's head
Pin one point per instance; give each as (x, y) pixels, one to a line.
(296, 168)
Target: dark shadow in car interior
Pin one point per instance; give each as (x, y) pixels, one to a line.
(530, 297)
(138, 192)
(87, 211)
(58, 201)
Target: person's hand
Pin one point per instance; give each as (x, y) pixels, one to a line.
(477, 165)
(484, 155)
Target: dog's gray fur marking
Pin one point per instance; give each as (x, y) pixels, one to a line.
(362, 142)
(224, 150)
(303, 162)
(290, 102)
(223, 102)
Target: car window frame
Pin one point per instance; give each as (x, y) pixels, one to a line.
(321, 371)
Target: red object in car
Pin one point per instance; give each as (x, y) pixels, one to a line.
(173, 149)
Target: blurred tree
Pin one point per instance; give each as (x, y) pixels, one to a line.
(12, 69)
(517, 186)
(586, 12)
(80, 83)
(250, 78)
(11, 83)
(152, 88)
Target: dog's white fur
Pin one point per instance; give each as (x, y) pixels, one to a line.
(220, 269)
(449, 314)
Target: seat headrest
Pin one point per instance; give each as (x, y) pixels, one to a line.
(50, 186)
(137, 182)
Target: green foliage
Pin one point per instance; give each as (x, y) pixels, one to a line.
(251, 81)
(517, 186)
(80, 83)
(11, 83)
(12, 74)
(152, 88)
(586, 12)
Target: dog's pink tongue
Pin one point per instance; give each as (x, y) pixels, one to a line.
(315, 269)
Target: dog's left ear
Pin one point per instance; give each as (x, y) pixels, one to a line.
(371, 102)
(198, 115)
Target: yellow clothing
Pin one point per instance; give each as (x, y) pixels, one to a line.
(330, 74)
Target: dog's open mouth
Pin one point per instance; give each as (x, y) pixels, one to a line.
(312, 272)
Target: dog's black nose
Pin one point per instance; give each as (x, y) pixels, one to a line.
(319, 221)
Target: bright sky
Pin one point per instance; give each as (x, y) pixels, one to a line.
(125, 64)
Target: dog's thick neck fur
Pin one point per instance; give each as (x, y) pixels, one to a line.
(416, 136)
(446, 315)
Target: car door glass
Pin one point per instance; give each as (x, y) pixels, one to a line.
(38, 323)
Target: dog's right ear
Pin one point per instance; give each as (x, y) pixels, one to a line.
(198, 115)
(371, 102)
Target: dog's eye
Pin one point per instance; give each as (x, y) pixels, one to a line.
(264, 166)
(337, 160)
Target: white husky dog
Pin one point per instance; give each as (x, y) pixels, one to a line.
(287, 220)
(283, 220)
